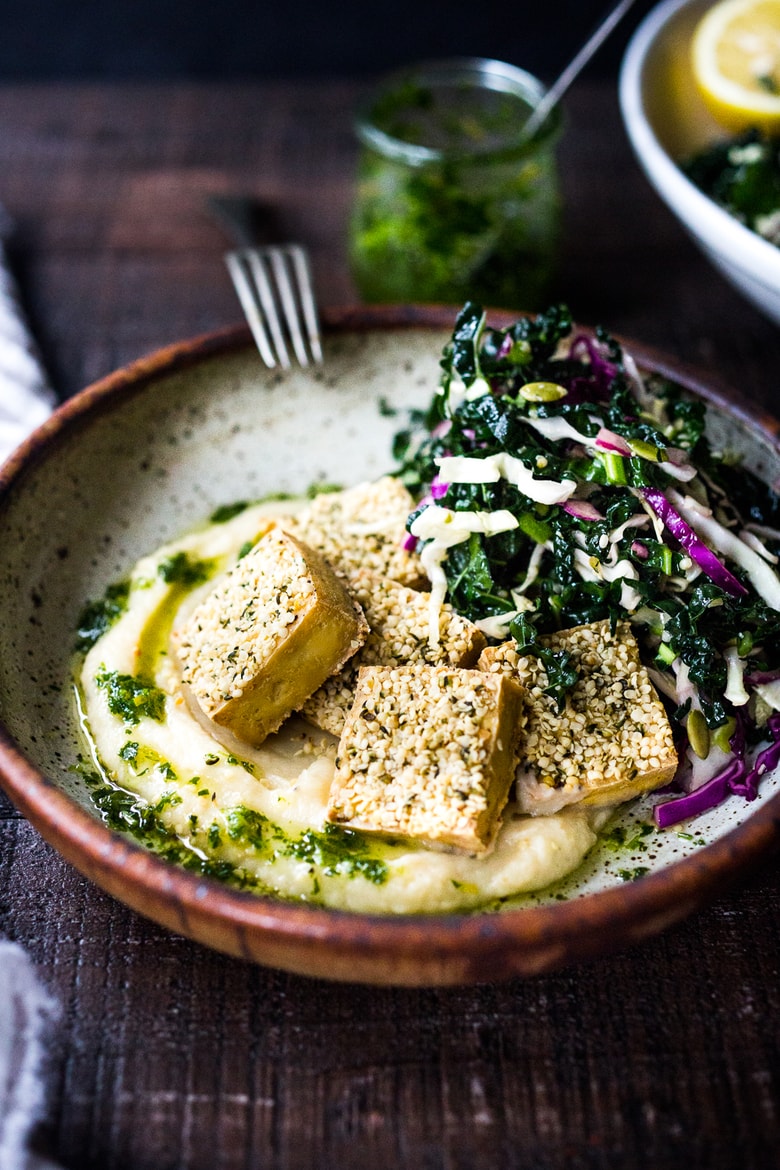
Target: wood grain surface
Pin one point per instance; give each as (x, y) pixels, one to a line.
(169, 1057)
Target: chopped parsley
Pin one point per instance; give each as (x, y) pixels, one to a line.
(169, 799)
(337, 851)
(132, 699)
(632, 875)
(632, 840)
(181, 569)
(99, 616)
(125, 812)
(247, 825)
(321, 489)
(227, 511)
(142, 758)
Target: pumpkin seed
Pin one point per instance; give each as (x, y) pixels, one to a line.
(698, 733)
(542, 392)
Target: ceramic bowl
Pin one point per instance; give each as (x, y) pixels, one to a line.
(149, 453)
(667, 122)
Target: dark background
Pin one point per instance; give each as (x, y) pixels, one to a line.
(219, 39)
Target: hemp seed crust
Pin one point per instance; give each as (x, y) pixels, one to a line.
(398, 618)
(276, 624)
(611, 742)
(428, 753)
(363, 527)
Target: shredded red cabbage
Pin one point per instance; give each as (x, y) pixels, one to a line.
(582, 347)
(597, 383)
(704, 557)
(757, 678)
(738, 740)
(582, 510)
(442, 428)
(766, 761)
(736, 779)
(439, 488)
(714, 792)
(608, 441)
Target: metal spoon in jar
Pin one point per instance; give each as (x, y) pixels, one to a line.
(558, 88)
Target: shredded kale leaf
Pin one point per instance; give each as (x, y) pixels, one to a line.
(742, 174)
(562, 674)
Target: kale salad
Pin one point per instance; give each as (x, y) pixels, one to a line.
(742, 175)
(558, 485)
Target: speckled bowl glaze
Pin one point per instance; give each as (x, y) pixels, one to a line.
(150, 452)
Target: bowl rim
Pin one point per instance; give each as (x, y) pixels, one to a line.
(414, 950)
(744, 248)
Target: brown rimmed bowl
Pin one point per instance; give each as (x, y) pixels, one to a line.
(149, 452)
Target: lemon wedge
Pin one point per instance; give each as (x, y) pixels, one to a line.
(735, 55)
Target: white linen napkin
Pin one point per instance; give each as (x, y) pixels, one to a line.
(26, 398)
(26, 1012)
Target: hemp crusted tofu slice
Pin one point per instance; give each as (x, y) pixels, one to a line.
(399, 622)
(428, 753)
(611, 742)
(269, 633)
(363, 527)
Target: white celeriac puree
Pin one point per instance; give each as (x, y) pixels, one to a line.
(196, 784)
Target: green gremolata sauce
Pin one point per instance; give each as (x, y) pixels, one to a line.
(329, 851)
(480, 221)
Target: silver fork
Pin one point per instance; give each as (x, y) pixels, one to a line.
(274, 286)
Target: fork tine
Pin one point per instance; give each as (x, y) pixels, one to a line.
(255, 258)
(306, 290)
(247, 299)
(271, 279)
(277, 258)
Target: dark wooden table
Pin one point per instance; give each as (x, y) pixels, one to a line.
(169, 1056)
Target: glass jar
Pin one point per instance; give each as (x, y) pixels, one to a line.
(452, 203)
